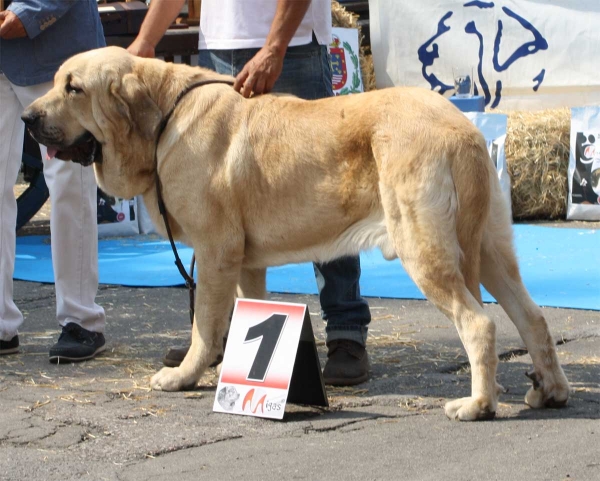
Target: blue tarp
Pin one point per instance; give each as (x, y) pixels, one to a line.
(560, 267)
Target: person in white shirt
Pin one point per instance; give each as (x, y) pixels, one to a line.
(279, 46)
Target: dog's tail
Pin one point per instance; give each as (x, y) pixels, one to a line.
(475, 183)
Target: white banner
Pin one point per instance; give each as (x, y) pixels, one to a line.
(525, 54)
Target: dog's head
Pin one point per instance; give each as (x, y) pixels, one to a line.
(100, 112)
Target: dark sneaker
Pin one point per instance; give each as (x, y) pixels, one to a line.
(76, 344)
(347, 363)
(175, 356)
(9, 347)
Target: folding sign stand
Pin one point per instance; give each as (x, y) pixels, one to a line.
(306, 385)
(270, 358)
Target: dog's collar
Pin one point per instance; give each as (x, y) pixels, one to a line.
(188, 278)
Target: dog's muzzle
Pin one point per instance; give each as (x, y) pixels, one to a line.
(85, 151)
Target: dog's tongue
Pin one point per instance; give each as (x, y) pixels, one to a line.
(51, 153)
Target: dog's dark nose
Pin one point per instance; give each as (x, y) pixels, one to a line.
(30, 118)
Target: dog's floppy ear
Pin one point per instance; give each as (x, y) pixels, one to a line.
(135, 104)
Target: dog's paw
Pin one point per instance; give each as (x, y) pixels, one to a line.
(170, 379)
(470, 409)
(546, 393)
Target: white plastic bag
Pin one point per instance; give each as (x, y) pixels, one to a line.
(493, 127)
(116, 216)
(145, 223)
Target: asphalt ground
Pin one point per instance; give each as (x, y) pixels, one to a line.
(99, 420)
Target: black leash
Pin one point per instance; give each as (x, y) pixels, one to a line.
(188, 278)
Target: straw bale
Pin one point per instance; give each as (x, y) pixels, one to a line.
(344, 19)
(537, 154)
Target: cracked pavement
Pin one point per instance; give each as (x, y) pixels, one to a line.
(98, 420)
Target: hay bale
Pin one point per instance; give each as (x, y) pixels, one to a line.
(368, 70)
(344, 19)
(340, 17)
(537, 154)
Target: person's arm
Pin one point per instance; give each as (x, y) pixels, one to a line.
(262, 71)
(22, 19)
(160, 15)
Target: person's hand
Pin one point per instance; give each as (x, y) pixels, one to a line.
(10, 26)
(141, 48)
(260, 73)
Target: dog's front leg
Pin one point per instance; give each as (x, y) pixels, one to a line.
(215, 290)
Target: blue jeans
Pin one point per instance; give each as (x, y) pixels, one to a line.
(307, 74)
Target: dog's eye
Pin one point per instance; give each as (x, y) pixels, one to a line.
(71, 89)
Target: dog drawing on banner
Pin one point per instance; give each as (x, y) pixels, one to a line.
(483, 49)
(271, 180)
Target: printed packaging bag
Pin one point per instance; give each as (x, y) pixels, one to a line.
(116, 216)
(493, 127)
(583, 201)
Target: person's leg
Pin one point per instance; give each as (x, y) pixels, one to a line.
(11, 147)
(307, 74)
(74, 242)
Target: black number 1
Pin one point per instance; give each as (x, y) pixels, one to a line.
(269, 332)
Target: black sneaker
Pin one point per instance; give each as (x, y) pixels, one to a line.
(76, 344)
(9, 347)
(175, 355)
(347, 363)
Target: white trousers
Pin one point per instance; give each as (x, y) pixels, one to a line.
(73, 224)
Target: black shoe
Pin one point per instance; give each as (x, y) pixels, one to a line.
(76, 344)
(175, 356)
(347, 363)
(9, 347)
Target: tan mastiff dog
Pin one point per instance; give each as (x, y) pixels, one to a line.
(252, 183)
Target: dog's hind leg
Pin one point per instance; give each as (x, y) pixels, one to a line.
(443, 260)
(433, 262)
(219, 266)
(500, 276)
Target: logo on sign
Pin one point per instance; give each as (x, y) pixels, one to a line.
(227, 397)
(338, 64)
(590, 153)
(248, 402)
(345, 65)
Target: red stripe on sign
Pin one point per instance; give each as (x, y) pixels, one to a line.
(274, 382)
(266, 309)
